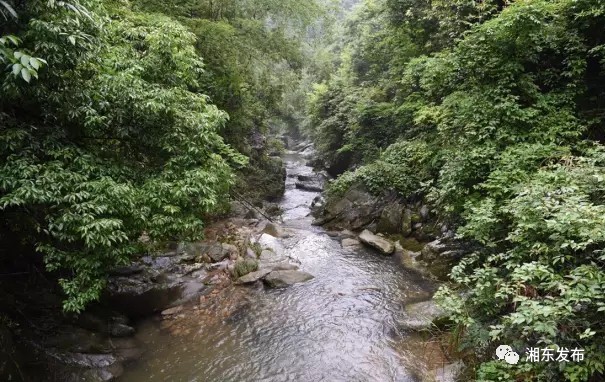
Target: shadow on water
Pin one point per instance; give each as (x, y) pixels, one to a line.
(337, 327)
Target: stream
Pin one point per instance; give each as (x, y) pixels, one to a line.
(340, 326)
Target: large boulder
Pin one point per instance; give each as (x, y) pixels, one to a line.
(441, 250)
(274, 230)
(269, 242)
(441, 254)
(272, 261)
(215, 251)
(309, 186)
(253, 277)
(268, 256)
(338, 163)
(390, 218)
(141, 296)
(356, 209)
(281, 279)
(312, 182)
(383, 245)
(421, 315)
(162, 281)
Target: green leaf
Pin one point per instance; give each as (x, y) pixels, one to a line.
(9, 8)
(25, 60)
(34, 63)
(26, 75)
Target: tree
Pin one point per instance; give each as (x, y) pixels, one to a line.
(114, 140)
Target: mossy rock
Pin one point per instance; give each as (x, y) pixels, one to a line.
(416, 218)
(411, 244)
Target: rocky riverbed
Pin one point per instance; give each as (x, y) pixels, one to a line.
(273, 300)
(336, 303)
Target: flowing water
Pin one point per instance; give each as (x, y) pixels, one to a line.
(340, 326)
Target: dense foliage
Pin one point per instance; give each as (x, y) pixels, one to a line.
(255, 54)
(127, 119)
(494, 112)
(114, 140)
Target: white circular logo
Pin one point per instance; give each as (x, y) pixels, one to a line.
(502, 350)
(506, 353)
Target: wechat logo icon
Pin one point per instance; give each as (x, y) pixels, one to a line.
(506, 353)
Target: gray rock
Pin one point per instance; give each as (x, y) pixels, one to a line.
(281, 279)
(420, 316)
(339, 207)
(355, 210)
(273, 230)
(268, 256)
(308, 152)
(253, 277)
(440, 255)
(212, 249)
(301, 146)
(432, 250)
(230, 251)
(427, 232)
(221, 266)
(373, 227)
(390, 219)
(121, 330)
(383, 245)
(269, 242)
(351, 245)
(309, 186)
(316, 177)
(141, 296)
(190, 268)
(408, 258)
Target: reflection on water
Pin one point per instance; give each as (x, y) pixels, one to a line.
(337, 327)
